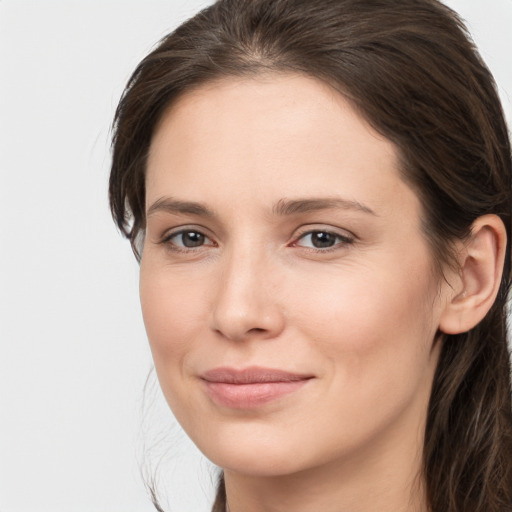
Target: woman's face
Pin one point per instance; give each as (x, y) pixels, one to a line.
(286, 287)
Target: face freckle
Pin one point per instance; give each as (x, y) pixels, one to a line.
(280, 236)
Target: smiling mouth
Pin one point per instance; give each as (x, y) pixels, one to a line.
(250, 387)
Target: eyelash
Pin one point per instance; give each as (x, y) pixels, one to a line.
(341, 240)
(167, 240)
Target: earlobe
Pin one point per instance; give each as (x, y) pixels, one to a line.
(481, 267)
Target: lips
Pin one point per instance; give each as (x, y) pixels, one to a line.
(250, 387)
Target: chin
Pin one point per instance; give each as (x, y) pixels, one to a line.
(255, 456)
(255, 464)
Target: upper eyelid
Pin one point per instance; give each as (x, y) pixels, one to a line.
(345, 238)
(170, 232)
(342, 238)
(166, 240)
(297, 235)
(312, 228)
(176, 248)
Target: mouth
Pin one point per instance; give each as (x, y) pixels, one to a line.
(250, 387)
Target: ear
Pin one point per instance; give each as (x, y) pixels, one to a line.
(481, 263)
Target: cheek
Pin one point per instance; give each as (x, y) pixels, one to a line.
(174, 315)
(370, 324)
(173, 310)
(375, 336)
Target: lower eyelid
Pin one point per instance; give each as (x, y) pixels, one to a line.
(167, 239)
(341, 238)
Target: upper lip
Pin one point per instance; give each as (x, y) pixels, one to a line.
(251, 375)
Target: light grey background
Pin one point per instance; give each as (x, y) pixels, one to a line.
(73, 353)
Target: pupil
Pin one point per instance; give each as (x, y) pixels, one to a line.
(192, 239)
(322, 240)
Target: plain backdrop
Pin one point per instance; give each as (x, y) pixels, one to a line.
(73, 352)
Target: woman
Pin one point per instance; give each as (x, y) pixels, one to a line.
(319, 193)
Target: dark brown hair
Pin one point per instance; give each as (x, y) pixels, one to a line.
(410, 68)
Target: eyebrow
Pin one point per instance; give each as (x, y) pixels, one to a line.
(170, 205)
(283, 207)
(296, 206)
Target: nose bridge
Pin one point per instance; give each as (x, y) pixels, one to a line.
(244, 304)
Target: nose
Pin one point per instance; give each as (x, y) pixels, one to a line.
(245, 304)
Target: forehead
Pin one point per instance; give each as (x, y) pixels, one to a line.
(265, 104)
(279, 134)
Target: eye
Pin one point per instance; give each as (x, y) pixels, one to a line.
(319, 239)
(187, 239)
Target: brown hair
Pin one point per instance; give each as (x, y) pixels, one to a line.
(410, 68)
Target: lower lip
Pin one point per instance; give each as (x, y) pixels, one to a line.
(249, 396)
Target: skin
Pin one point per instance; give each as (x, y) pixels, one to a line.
(361, 316)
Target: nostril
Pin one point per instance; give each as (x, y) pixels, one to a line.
(256, 330)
